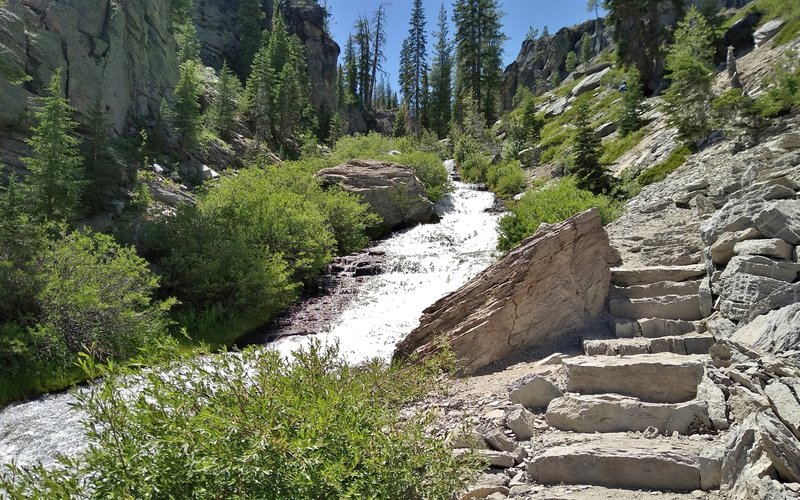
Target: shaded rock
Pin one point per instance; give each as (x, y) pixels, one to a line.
(658, 378)
(740, 291)
(615, 413)
(391, 191)
(557, 107)
(740, 34)
(713, 396)
(605, 129)
(773, 332)
(554, 283)
(788, 141)
(784, 295)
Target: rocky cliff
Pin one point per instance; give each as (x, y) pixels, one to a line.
(539, 59)
(217, 21)
(124, 50)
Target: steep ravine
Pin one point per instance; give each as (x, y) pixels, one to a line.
(419, 266)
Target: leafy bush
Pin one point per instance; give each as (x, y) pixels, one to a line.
(556, 202)
(94, 296)
(475, 168)
(734, 112)
(662, 170)
(252, 240)
(256, 426)
(507, 178)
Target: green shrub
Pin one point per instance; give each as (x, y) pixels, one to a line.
(256, 426)
(734, 112)
(475, 168)
(507, 178)
(553, 203)
(662, 170)
(782, 94)
(95, 296)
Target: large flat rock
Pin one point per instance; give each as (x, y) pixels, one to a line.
(615, 413)
(618, 461)
(675, 307)
(555, 283)
(657, 378)
(654, 274)
(696, 343)
(392, 191)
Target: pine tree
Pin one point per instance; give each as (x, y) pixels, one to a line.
(341, 93)
(187, 106)
(258, 95)
(188, 43)
(400, 121)
(589, 173)
(479, 49)
(415, 56)
(572, 61)
(103, 172)
(251, 17)
(378, 44)
(632, 102)
(363, 59)
(690, 67)
(351, 70)
(441, 77)
(55, 183)
(226, 102)
(586, 48)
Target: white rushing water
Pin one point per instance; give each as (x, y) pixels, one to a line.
(422, 265)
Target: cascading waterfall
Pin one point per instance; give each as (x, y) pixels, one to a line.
(421, 265)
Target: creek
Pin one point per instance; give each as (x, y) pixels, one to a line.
(418, 266)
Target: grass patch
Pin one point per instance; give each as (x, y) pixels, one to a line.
(615, 148)
(662, 170)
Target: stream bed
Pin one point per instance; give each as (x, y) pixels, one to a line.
(415, 268)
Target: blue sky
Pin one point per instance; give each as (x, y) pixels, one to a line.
(519, 16)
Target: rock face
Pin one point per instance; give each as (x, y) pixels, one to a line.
(217, 22)
(538, 60)
(124, 50)
(555, 282)
(392, 191)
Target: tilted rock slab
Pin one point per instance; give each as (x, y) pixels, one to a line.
(554, 283)
(391, 191)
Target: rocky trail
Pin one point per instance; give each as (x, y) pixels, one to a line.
(691, 391)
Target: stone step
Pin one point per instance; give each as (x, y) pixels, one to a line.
(653, 327)
(616, 413)
(631, 276)
(661, 288)
(655, 378)
(679, 307)
(622, 461)
(695, 343)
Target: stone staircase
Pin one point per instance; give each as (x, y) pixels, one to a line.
(636, 408)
